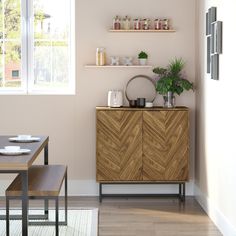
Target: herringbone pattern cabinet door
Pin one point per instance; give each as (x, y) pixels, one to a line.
(119, 145)
(165, 145)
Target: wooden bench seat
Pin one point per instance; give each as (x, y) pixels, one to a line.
(44, 182)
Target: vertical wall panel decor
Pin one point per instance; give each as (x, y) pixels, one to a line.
(214, 42)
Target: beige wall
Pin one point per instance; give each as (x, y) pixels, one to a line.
(216, 127)
(70, 120)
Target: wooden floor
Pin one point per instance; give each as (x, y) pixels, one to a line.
(146, 217)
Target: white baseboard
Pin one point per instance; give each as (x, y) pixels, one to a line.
(90, 188)
(226, 228)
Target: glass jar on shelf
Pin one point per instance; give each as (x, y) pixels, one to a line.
(157, 24)
(165, 24)
(137, 24)
(126, 23)
(116, 23)
(100, 57)
(146, 24)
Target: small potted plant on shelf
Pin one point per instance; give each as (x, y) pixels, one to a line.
(171, 81)
(142, 56)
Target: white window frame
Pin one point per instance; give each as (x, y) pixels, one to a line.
(27, 61)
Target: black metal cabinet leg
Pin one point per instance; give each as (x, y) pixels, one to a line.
(180, 191)
(25, 202)
(180, 195)
(100, 192)
(183, 192)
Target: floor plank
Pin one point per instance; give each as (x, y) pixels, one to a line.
(144, 216)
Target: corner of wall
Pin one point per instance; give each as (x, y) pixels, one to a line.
(214, 213)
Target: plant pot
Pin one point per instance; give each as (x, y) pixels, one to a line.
(142, 61)
(169, 100)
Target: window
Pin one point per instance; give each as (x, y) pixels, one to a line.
(37, 46)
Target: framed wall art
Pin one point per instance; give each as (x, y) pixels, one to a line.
(214, 42)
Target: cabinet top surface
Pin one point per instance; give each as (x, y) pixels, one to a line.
(179, 108)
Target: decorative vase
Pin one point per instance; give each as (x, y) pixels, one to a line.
(169, 100)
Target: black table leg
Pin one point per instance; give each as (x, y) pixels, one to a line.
(46, 154)
(66, 197)
(25, 202)
(46, 163)
(57, 218)
(7, 217)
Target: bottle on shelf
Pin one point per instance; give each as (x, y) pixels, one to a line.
(146, 24)
(165, 24)
(102, 57)
(126, 23)
(116, 23)
(157, 24)
(98, 57)
(137, 24)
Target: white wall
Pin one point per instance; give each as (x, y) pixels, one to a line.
(70, 120)
(215, 160)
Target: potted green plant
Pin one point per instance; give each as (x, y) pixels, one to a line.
(142, 56)
(171, 81)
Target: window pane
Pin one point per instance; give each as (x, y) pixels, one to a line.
(51, 19)
(12, 19)
(50, 64)
(10, 44)
(1, 19)
(51, 44)
(12, 64)
(1, 66)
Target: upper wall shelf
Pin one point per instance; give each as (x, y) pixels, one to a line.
(120, 66)
(141, 31)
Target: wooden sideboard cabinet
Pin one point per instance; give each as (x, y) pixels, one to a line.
(146, 145)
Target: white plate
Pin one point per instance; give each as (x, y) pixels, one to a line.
(12, 148)
(28, 140)
(14, 153)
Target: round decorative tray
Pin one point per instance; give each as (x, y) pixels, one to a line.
(139, 90)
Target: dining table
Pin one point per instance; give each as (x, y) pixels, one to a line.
(20, 164)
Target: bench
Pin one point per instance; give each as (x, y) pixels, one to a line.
(44, 182)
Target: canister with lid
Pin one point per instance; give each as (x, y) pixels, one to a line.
(98, 57)
(165, 24)
(116, 23)
(157, 24)
(145, 24)
(102, 56)
(137, 24)
(126, 23)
